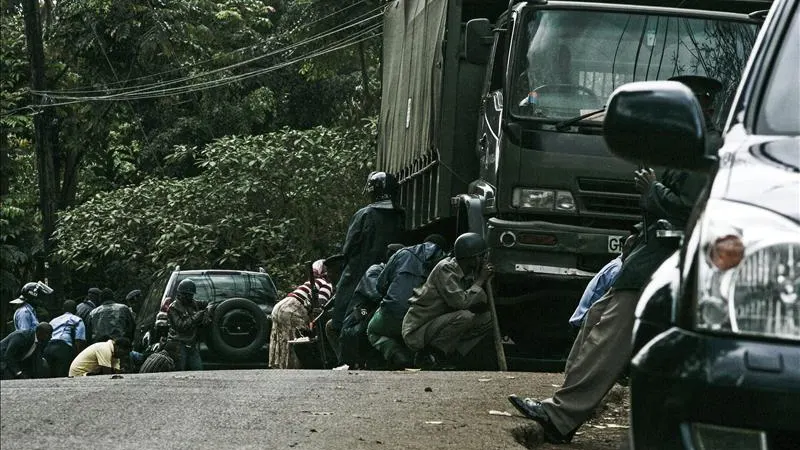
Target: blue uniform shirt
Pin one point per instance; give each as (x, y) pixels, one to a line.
(62, 326)
(596, 288)
(25, 318)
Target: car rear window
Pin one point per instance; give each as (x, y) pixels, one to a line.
(217, 287)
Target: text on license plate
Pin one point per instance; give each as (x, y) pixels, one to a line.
(615, 244)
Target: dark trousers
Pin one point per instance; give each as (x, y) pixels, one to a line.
(600, 353)
(385, 333)
(34, 367)
(59, 356)
(190, 358)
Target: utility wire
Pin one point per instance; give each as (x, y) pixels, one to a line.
(366, 17)
(153, 92)
(339, 46)
(158, 86)
(235, 78)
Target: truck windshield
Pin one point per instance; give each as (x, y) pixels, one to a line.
(568, 62)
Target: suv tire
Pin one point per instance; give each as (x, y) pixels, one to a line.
(238, 319)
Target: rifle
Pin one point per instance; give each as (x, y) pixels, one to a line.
(496, 335)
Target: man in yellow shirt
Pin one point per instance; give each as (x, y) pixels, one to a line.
(102, 358)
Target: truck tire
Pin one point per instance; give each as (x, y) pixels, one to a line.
(238, 329)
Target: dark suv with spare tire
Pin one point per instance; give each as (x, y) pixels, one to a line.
(239, 332)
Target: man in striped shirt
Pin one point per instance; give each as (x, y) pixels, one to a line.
(293, 314)
(69, 339)
(164, 360)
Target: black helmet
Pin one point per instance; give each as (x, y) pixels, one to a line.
(381, 186)
(469, 245)
(187, 287)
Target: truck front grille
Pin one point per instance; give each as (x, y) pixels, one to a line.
(600, 195)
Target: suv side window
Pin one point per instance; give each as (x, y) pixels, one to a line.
(780, 106)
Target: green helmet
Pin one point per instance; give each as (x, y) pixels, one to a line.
(469, 245)
(187, 287)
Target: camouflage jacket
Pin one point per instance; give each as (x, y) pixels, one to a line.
(111, 321)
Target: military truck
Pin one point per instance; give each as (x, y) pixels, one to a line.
(491, 118)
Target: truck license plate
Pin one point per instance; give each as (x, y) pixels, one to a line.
(615, 244)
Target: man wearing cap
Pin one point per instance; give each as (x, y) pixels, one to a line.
(133, 300)
(89, 304)
(603, 347)
(69, 339)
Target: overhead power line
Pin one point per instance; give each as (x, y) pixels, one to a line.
(93, 90)
(362, 37)
(74, 95)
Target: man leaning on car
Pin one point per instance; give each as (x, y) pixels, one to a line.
(186, 317)
(603, 346)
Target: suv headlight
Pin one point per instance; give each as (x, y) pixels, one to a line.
(542, 199)
(748, 274)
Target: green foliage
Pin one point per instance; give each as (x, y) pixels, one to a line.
(151, 188)
(274, 200)
(19, 239)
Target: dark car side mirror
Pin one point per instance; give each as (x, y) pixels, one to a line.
(659, 123)
(478, 40)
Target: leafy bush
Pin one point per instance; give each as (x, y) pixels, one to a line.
(271, 201)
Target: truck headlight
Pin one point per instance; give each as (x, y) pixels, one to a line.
(542, 199)
(748, 274)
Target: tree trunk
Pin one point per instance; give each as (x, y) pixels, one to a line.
(43, 121)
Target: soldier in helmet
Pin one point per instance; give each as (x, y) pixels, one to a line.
(449, 314)
(25, 316)
(371, 229)
(185, 317)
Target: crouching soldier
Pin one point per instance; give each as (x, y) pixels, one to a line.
(356, 349)
(406, 270)
(450, 313)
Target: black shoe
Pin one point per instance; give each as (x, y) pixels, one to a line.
(401, 359)
(425, 360)
(534, 410)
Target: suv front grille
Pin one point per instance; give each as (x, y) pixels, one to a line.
(608, 196)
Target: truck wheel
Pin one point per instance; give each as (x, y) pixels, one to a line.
(238, 329)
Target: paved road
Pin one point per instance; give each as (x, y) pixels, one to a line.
(272, 409)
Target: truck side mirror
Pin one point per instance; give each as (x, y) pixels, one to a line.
(658, 123)
(478, 41)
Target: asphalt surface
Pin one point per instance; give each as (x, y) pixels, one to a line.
(277, 409)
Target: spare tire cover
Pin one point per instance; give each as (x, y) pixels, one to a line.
(238, 329)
